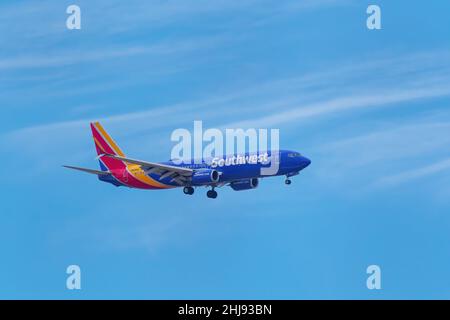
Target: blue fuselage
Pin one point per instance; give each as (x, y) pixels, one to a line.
(249, 165)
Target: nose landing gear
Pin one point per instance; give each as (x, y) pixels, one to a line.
(291, 174)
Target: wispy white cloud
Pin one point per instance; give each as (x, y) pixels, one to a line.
(387, 80)
(414, 174)
(345, 103)
(46, 21)
(383, 154)
(284, 101)
(311, 95)
(390, 142)
(62, 58)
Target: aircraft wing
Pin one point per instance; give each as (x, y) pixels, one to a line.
(98, 172)
(178, 174)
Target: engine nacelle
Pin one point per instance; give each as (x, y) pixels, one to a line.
(206, 176)
(244, 184)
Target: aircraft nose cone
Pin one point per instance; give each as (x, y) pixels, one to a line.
(306, 162)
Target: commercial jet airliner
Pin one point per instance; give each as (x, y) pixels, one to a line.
(240, 172)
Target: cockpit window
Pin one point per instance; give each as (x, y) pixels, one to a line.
(294, 155)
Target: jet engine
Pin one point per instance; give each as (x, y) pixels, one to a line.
(244, 184)
(206, 176)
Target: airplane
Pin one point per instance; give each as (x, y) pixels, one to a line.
(240, 172)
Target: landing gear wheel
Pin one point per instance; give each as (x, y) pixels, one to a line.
(211, 194)
(287, 181)
(188, 190)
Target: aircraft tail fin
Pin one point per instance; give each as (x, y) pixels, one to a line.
(104, 144)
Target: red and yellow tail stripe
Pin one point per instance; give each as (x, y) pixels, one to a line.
(129, 174)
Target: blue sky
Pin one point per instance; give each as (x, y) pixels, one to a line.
(369, 108)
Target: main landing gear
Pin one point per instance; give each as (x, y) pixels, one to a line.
(212, 193)
(188, 190)
(288, 181)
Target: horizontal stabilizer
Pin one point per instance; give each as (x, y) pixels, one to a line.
(98, 172)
